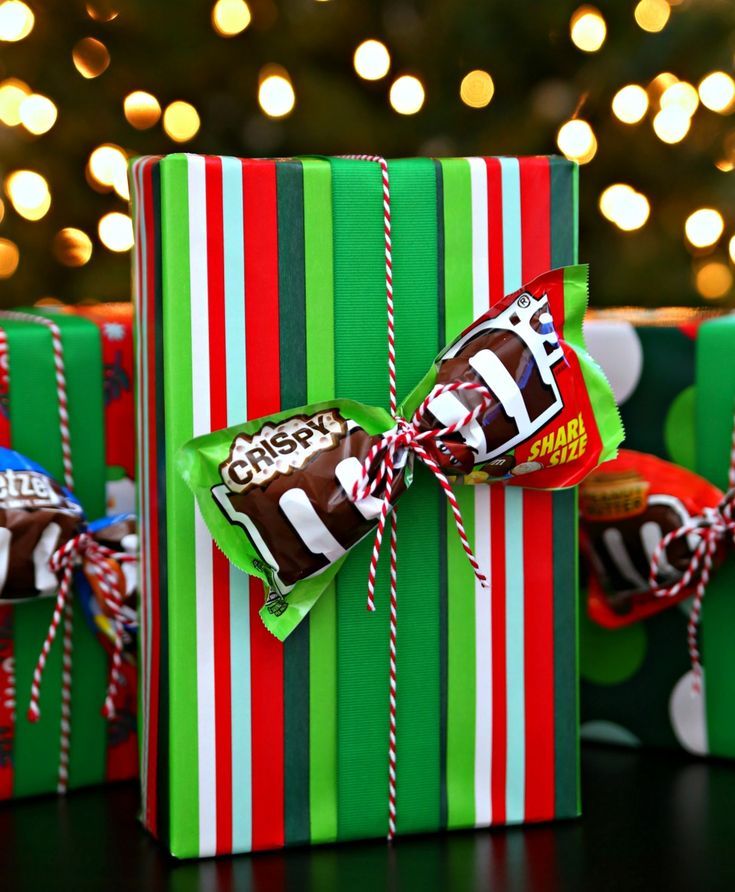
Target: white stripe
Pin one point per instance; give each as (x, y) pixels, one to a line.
(617, 549)
(497, 377)
(483, 663)
(308, 525)
(44, 577)
(5, 537)
(348, 472)
(480, 262)
(202, 539)
(448, 409)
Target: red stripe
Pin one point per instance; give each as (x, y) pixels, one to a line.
(495, 229)
(220, 564)
(535, 175)
(7, 697)
(538, 654)
(497, 625)
(122, 746)
(153, 518)
(535, 183)
(264, 389)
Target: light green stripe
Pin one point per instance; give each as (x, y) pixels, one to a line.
(183, 768)
(460, 770)
(320, 386)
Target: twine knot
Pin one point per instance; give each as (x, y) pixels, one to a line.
(391, 453)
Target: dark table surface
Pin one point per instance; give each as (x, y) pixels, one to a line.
(652, 821)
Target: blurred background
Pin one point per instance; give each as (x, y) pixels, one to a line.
(640, 93)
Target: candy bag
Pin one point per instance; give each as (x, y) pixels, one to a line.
(514, 398)
(626, 508)
(37, 516)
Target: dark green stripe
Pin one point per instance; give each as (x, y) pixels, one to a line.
(292, 324)
(164, 709)
(566, 690)
(563, 212)
(443, 582)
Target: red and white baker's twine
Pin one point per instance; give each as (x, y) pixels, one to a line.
(379, 467)
(68, 644)
(102, 563)
(713, 528)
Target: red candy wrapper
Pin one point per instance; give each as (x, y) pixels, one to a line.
(626, 507)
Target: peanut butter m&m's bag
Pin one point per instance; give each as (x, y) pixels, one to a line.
(626, 508)
(514, 398)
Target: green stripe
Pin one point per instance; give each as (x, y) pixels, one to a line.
(180, 604)
(292, 325)
(360, 323)
(442, 517)
(362, 638)
(564, 177)
(713, 420)
(415, 264)
(320, 386)
(460, 771)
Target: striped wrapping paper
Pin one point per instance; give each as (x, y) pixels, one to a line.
(260, 286)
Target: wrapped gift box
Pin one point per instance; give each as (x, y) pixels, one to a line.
(29, 753)
(261, 285)
(675, 381)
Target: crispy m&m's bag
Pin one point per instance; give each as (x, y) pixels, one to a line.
(627, 506)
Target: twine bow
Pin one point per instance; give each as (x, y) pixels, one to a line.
(712, 529)
(102, 563)
(408, 436)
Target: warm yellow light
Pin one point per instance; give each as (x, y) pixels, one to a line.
(276, 94)
(29, 193)
(717, 91)
(101, 11)
(142, 109)
(704, 227)
(230, 17)
(630, 104)
(38, 113)
(12, 94)
(713, 279)
(657, 86)
(16, 20)
(725, 165)
(72, 247)
(371, 60)
(477, 89)
(407, 95)
(672, 124)
(2, 210)
(90, 57)
(623, 206)
(680, 95)
(577, 141)
(652, 15)
(587, 29)
(116, 231)
(108, 166)
(731, 248)
(9, 258)
(181, 121)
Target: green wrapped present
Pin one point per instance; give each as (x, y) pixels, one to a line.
(261, 286)
(31, 387)
(675, 382)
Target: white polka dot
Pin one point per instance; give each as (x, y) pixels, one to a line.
(617, 348)
(688, 713)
